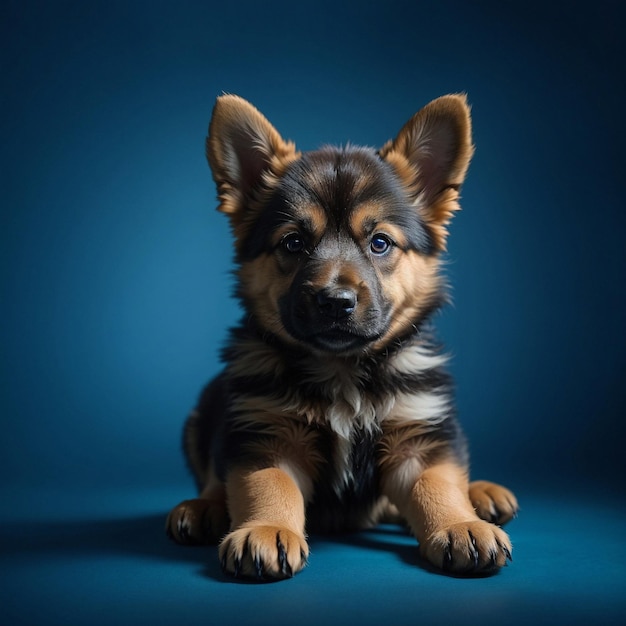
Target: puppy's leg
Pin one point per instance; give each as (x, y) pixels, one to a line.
(267, 538)
(493, 502)
(450, 533)
(202, 520)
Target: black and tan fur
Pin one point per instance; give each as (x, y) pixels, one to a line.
(334, 409)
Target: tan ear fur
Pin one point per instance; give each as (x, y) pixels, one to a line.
(246, 154)
(431, 154)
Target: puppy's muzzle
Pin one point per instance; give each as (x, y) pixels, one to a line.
(336, 303)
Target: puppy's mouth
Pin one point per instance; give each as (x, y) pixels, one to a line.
(341, 338)
(339, 341)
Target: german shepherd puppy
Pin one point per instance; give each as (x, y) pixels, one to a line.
(334, 410)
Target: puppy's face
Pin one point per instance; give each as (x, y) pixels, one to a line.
(337, 258)
(338, 248)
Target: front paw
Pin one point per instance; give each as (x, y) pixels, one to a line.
(475, 547)
(263, 552)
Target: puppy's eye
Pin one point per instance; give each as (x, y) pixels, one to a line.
(380, 244)
(292, 243)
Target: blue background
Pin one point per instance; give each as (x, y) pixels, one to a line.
(115, 278)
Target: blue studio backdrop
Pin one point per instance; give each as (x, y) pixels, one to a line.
(116, 283)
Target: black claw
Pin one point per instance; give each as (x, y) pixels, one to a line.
(258, 566)
(285, 568)
(493, 560)
(509, 556)
(223, 563)
(304, 559)
(473, 549)
(240, 558)
(506, 551)
(183, 529)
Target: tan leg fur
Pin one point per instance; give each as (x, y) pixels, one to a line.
(450, 533)
(267, 537)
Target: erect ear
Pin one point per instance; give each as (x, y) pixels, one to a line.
(431, 155)
(245, 152)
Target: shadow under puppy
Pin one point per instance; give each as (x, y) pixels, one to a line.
(334, 410)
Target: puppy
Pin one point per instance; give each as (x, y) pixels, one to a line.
(334, 410)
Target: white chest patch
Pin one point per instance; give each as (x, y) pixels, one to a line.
(350, 406)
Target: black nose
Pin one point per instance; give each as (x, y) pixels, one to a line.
(336, 303)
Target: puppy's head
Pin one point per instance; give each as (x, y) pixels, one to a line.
(338, 249)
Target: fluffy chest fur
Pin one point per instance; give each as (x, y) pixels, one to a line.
(408, 384)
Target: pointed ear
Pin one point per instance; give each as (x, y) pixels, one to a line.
(431, 155)
(245, 152)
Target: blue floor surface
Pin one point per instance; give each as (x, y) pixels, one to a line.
(106, 560)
